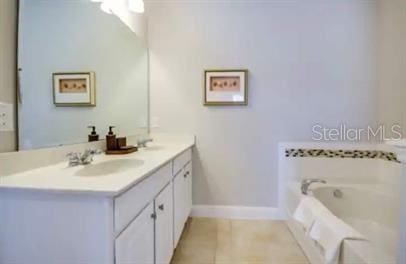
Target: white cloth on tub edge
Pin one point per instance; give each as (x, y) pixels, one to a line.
(308, 210)
(329, 232)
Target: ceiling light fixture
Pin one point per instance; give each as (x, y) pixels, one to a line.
(107, 6)
(136, 6)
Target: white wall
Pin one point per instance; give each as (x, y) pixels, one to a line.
(8, 29)
(309, 61)
(392, 62)
(64, 36)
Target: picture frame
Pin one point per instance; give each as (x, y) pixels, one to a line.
(223, 87)
(74, 89)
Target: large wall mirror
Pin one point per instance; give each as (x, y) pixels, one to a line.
(79, 67)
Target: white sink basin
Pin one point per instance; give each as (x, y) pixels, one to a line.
(109, 167)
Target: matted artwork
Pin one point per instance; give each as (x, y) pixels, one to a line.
(225, 87)
(74, 89)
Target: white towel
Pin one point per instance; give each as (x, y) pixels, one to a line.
(329, 232)
(308, 210)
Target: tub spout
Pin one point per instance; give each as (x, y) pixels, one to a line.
(307, 182)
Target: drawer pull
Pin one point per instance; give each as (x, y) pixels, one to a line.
(161, 207)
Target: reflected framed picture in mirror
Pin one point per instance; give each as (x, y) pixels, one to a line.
(74, 89)
(225, 87)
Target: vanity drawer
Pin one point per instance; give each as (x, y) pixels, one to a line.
(181, 160)
(129, 204)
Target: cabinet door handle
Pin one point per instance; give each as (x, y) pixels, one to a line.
(161, 207)
(186, 174)
(153, 215)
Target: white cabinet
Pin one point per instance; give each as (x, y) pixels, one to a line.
(129, 204)
(181, 160)
(188, 190)
(137, 226)
(164, 226)
(136, 243)
(182, 188)
(178, 202)
(170, 210)
(148, 238)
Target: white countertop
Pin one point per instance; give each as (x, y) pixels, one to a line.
(61, 178)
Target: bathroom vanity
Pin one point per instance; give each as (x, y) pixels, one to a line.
(119, 209)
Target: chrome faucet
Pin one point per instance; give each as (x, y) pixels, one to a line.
(77, 158)
(142, 143)
(307, 182)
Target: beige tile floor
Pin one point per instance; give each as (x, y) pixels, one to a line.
(224, 241)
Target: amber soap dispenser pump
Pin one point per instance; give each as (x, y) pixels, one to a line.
(111, 142)
(93, 135)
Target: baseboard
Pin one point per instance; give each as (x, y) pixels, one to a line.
(237, 212)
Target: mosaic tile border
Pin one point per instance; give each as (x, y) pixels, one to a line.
(340, 153)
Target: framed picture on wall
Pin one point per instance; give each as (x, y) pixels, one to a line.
(74, 89)
(225, 87)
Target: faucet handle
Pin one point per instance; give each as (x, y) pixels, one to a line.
(74, 158)
(305, 181)
(310, 180)
(96, 151)
(87, 156)
(92, 152)
(144, 141)
(72, 155)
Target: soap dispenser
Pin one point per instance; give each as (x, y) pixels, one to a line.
(111, 142)
(93, 135)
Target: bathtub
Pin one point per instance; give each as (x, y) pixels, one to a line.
(370, 209)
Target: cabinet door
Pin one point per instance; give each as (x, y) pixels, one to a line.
(178, 203)
(135, 244)
(164, 226)
(187, 190)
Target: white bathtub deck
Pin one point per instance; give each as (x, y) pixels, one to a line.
(378, 251)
